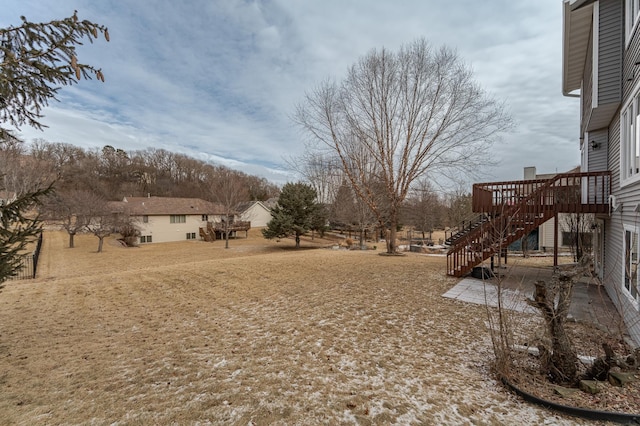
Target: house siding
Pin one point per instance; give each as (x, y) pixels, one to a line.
(163, 231)
(598, 157)
(631, 72)
(629, 196)
(257, 214)
(587, 89)
(610, 47)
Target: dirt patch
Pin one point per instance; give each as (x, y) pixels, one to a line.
(191, 333)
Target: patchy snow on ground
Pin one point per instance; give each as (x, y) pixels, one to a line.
(283, 338)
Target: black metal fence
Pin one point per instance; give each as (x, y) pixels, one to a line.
(29, 263)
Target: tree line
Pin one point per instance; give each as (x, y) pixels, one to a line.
(112, 173)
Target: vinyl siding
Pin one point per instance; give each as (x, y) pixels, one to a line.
(610, 45)
(630, 71)
(163, 231)
(587, 89)
(598, 157)
(629, 196)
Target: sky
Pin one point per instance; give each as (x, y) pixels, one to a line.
(219, 80)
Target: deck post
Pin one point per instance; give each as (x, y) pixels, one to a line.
(555, 240)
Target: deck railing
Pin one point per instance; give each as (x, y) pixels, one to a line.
(565, 193)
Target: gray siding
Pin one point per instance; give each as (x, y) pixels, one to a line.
(598, 157)
(630, 71)
(629, 196)
(587, 89)
(610, 45)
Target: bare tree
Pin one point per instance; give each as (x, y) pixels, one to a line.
(70, 210)
(101, 221)
(580, 230)
(423, 209)
(412, 113)
(227, 187)
(321, 170)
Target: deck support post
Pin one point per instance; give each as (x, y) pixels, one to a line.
(555, 240)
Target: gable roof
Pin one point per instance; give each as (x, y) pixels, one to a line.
(154, 206)
(244, 206)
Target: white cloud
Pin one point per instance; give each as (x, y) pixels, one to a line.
(219, 80)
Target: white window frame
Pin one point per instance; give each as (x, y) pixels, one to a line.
(631, 13)
(630, 278)
(630, 139)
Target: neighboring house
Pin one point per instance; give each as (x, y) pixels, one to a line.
(255, 212)
(165, 219)
(601, 66)
(271, 202)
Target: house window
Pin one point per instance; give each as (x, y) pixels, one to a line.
(191, 235)
(632, 14)
(177, 218)
(145, 219)
(145, 239)
(630, 140)
(630, 273)
(205, 217)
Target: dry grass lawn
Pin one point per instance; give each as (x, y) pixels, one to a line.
(261, 333)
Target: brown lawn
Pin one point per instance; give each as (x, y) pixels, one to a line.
(261, 333)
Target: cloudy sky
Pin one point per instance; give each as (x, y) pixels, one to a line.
(219, 80)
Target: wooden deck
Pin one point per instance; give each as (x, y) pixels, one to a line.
(516, 208)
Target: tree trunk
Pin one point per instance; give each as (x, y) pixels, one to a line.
(561, 362)
(71, 234)
(100, 241)
(226, 236)
(362, 239)
(393, 232)
(297, 241)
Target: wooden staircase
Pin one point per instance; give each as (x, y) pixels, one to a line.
(511, 210)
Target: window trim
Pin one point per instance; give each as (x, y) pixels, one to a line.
(634, 300)
(177, 218)
(630, 103)
(630, 27)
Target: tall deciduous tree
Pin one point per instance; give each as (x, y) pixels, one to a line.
(228, 188)
(296, 212)
(402, 116)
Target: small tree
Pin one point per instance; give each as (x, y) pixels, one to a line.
(295, 213)
(69, 209)
(100, 220)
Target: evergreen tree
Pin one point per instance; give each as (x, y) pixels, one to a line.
(296, 212)
(17, 229)
(36, 59)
